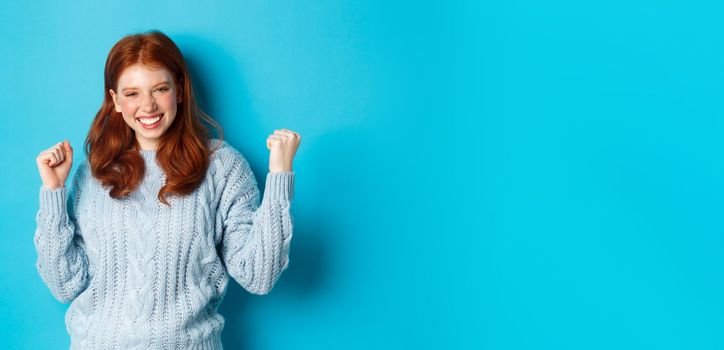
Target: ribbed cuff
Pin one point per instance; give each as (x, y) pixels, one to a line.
(280, 185)
(52, 201)
(212, 343)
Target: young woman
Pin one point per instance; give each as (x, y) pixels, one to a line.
(133, 242)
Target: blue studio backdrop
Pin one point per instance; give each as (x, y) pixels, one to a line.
(472, 175)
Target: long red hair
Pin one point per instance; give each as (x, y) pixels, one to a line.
(183, 152)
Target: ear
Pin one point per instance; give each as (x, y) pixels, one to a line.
(115, 100)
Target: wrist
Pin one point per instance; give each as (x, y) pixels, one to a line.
(52, 186)
(280, 168)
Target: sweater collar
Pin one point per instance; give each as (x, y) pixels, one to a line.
(149, 156)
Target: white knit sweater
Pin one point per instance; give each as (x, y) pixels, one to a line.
(142, 275)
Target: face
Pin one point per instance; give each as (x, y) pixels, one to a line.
(147, 98)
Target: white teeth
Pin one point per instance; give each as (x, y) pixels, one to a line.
(149, 121)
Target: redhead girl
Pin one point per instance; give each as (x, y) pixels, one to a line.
(159, 215)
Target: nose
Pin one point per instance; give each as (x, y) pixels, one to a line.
(148, 104)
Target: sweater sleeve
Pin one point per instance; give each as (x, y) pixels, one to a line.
(256, 237)
(62, 261)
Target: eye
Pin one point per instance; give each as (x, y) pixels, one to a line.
(163, 89)
(131, 94)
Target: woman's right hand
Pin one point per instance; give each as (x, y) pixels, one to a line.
(54, 164)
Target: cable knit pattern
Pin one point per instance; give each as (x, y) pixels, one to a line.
(141, 275)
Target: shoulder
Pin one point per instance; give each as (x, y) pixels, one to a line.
(82, 181)
(222, 152)
(226, 160)
(82, 173)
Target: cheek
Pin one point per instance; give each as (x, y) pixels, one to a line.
(168, 101)
(128, 107)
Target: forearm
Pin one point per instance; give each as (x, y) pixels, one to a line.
(259, 262)
(62, 263)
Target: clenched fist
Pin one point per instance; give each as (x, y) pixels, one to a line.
(282, 145)
(54, 164)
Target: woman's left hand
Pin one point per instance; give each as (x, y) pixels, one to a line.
(282, 144)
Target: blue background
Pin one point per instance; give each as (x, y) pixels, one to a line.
(491, 175)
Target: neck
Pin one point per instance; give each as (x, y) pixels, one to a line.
(146, 145)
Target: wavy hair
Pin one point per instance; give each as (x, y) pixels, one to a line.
(183, 151)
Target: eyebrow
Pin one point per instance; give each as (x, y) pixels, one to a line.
(131, 88)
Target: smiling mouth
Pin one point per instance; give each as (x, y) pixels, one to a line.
(150, 120)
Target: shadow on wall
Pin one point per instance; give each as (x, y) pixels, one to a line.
(199, 53)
